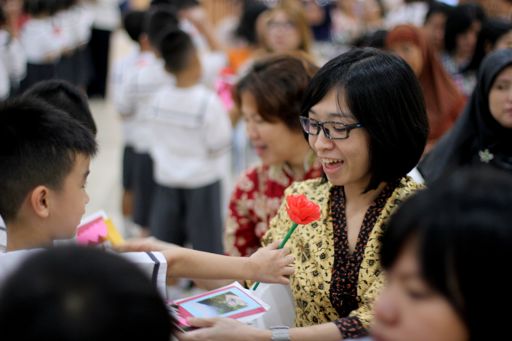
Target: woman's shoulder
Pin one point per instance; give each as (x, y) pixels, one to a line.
(309, 187)
(406, 186)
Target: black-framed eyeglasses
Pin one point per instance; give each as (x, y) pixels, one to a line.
(332, 130)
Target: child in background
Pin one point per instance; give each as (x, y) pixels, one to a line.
(138, 86)
(45, 158)
(12, 57)
(82, 13)
(191, 132)
(133, 24)
(41, 41)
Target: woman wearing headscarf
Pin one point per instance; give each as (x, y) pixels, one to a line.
(443, 100)
(483, 134)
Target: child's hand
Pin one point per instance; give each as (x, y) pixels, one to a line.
(272, 265)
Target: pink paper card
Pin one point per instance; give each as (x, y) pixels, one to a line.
(93, 232)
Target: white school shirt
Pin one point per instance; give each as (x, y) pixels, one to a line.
(191, 132)
(211, 65)
(106, 13)
(153, 264)
(84, 18)
(120, 69)
(139, 85)
(65, 22)
(40, 40)
(13, 63)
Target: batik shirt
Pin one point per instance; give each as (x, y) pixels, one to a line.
(255, 200)
(331, 284)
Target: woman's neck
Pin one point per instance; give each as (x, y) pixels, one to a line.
(355, 196)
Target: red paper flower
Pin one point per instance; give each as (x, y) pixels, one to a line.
(301, 210)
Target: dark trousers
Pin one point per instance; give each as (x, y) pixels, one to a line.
(99, 53)
(180, 215)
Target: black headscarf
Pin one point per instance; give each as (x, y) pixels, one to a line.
(476, 137)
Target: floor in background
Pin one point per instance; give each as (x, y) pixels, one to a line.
(104, 183)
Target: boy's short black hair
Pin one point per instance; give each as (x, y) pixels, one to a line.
(385, 96)
(160, 19)
(66, 97)
(81, 294)
(176, 47)
(246, 28)
(38, 146)
(133, 24)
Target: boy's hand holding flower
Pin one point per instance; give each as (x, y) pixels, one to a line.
(271, 264)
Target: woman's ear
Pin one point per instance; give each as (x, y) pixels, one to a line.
(39, 201)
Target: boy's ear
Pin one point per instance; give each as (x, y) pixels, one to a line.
(39, 201)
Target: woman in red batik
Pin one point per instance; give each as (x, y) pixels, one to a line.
(269, 98)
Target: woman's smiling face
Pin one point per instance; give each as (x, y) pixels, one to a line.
(274, 142)
(347, 161)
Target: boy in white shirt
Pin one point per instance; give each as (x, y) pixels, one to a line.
(41, 41)
(191, 132)
(133, 24)
(138, 86)
(13, 63)
(45, 157)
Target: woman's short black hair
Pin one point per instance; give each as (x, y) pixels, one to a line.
(462, 228)
(384, 95)
(81, 294)
(459, 20)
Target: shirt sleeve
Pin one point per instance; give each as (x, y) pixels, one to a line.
(124, 100)
(240, 238)
(154, 265)
(16, 61)
(218, 128)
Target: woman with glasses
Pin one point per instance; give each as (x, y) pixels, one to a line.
(366, 121)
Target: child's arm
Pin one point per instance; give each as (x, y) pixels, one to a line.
(268, 264)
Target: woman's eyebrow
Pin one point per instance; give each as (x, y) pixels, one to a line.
(340, 114)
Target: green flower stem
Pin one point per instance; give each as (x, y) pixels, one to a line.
(281, 245)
